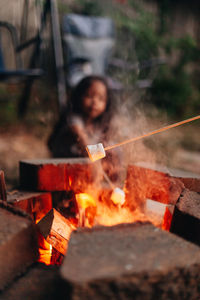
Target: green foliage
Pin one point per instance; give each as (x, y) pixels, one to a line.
(174, 88)
(143, 29)
(63, 8)
(88, 7)
(7, 105)
(143, 35)
(186, 45)
(7, 113)
(170, 92)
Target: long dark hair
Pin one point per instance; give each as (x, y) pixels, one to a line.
(75, 104)
(75, 107)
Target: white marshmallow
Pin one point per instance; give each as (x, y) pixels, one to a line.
(118, 196)
(96, 152)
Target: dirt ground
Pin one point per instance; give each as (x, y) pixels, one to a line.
(19, 142)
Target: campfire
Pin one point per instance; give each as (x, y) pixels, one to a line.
(84, 201)
(65, 196)
(79, 200)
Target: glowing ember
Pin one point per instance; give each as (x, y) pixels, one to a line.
(109, 216)
(104, 212)
(84, 200)
(70, 181)
(86, 215)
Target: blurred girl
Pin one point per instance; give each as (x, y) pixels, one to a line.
(86, 121)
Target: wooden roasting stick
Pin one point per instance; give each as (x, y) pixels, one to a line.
(97, 151)
(153, 132)
(3, 194)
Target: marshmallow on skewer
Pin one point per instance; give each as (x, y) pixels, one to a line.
(118, 196)
(96, 152)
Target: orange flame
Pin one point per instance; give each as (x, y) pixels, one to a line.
(45, 250)
(110, 216)
(104, 212)
(87, 209)
(84, 200)
(70, 181)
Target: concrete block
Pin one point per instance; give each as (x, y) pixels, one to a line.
(186, 217)
(132, 261)
(18, 243)
(38, 283)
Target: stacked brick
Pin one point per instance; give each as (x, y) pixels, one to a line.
(144, 183)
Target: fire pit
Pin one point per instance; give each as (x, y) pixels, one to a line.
(84, 244)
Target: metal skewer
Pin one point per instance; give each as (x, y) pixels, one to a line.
(108, 179)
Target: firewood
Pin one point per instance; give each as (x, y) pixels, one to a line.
(56, 229)
(3, 195)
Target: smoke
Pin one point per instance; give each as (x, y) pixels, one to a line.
(131, 120)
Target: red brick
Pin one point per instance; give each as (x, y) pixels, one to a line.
(18, 243)
(56, 174)
(142, 183)
(36, 204)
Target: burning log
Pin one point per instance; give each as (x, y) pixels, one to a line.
(130, 261)
(36, 205)
(143, 183)
(18, 243)
(56, 174)
(56, 229)
(186, 217)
